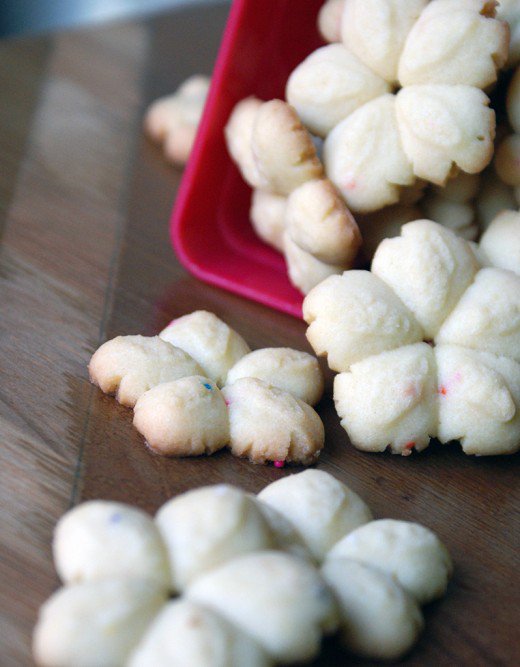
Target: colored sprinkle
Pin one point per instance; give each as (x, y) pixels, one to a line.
(279, 464)
(410, 445)
(207, 385)
(115, 518)
(443, 390)
(226, 401)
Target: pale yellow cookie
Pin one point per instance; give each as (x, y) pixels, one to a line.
(364, 157)
(127, 366)
(283, 149)
(455, 42)
(389, 400)
(208, 526)
(268, 424)
(209, 340)
(290, 370)
(320, 507)
(101, 539)
(186, 417)
(329, 85)
(378, 619)
(354, 316)
(279, 600)
(319, 222)
(441, 126)
(410, 553)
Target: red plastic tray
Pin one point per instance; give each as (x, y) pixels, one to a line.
(263, 42)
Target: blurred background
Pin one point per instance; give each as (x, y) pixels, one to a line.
(21, 17)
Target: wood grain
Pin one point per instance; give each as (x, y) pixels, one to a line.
(85, 256)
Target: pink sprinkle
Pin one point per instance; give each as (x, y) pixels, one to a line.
(226, 401)
(350, 184)
(279, 464)
(410, 445)
(457, 377)
(442, 390)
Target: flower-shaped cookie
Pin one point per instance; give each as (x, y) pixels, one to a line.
(172, 381)
(245, 599)
(294, 208)
(427, 344)
(436, 57)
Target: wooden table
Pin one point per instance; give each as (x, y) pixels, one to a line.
(85, 256)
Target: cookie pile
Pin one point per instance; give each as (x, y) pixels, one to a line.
(394, 102)
(427, 344)
(197, 387)
(260, 579)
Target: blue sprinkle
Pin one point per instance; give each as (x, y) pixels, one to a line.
(115, 518)
(207, 385)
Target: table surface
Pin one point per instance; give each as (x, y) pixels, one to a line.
(85, 256)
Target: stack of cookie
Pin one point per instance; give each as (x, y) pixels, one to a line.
(395, 102)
